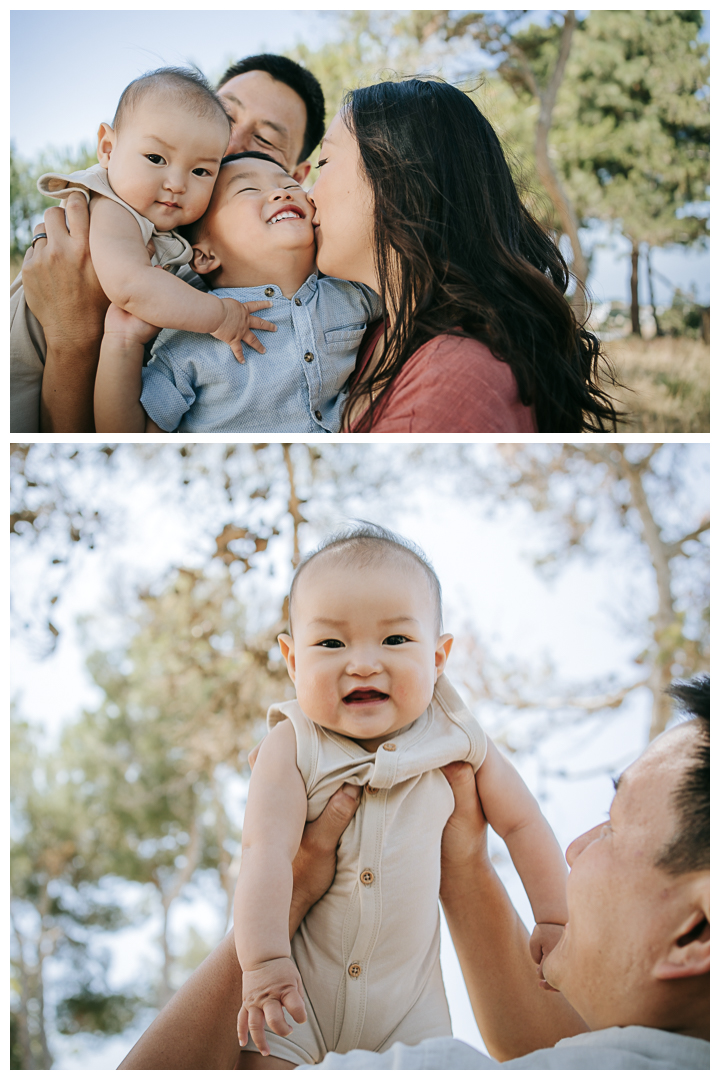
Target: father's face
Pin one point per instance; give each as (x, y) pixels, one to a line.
(267, 116)
(623, 909)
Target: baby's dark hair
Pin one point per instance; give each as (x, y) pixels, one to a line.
(362, 544)
(188, 85)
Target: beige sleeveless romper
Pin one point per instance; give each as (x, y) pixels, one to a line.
(27, 340)
(369, 950)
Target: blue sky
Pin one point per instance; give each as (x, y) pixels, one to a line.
(68, 69)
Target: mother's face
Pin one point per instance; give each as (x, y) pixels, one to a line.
(344, 209)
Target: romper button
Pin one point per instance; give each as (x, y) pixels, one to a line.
(389, 746)
(269, 292)
(309, 357)
(354, 971)
(298, 301)
(318, 414)
(371, 790)
(367, 877)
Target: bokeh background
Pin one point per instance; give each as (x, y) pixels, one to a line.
(604, 116)
(148, 585)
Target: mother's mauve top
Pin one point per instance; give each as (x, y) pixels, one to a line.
(451, 384)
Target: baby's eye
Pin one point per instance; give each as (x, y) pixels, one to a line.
(395, 639)
(323, 161)
(155, 159)
(201, 172)
(331, 643)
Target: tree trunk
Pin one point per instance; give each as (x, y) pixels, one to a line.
(563, 207)
(658, 328)
(634, 303)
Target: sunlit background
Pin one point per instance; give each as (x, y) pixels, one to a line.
(148, 585)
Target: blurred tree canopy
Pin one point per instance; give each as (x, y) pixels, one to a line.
(142, 792)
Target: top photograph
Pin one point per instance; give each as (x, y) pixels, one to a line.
(371, 222)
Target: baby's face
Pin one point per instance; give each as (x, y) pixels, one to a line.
(365, 652)
(164, 162)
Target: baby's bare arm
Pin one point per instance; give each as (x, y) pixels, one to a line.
(129, 279)
(124, 269)
(274, 820)
(516, 817)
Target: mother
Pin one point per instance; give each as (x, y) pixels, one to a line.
(415, 199)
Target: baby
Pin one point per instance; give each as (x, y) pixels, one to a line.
(157, 166)
(366, 653)
(256, 245)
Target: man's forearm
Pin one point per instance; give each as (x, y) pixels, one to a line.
(197, 1027)
(514, 1014)
(66, 402)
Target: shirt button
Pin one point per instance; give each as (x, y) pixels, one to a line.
(354, 971)
(298, 302)
(367, 877)
(269, 292)
(318, 414)
(309, 357)
(389, 746)
(371, 790)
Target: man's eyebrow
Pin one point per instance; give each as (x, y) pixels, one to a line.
(280, 128)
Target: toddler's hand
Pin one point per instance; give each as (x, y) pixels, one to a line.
(266, 990)
(543, 940)
(236, 326)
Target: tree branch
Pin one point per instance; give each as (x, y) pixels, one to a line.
(676, 548)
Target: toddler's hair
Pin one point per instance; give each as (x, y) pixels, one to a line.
(188, 86)
(362, 544)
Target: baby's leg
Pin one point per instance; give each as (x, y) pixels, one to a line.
(249, 1059)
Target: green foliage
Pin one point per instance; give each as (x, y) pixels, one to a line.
(26, 202)
(632, 136)
(96, 1014)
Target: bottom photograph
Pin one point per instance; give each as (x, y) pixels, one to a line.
(360, 756)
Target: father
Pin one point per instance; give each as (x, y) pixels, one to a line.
(277, 107)
(632, 966)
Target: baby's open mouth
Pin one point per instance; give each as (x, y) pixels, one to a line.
(365, 695)
(286, 214)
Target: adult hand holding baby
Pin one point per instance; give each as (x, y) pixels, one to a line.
(64, 294)
(239, 323)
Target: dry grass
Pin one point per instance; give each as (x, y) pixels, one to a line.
(668, 380)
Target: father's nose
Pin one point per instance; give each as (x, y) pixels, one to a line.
(580, 843)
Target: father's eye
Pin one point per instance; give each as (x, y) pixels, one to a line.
(201, 172)
(155, 159)
(331, 643)
(395, 639)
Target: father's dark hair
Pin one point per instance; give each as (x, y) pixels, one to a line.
(456, 252)
(188, 85)
(689, 849)
(362, 544)
(299, 79)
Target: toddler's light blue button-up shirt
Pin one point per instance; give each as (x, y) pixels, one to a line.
(194, 383)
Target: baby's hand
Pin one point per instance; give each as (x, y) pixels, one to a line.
(543, 940)
(235, 327)
(266, 990)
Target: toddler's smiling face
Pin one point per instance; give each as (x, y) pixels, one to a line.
(365, 650)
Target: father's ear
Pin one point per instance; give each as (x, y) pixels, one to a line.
(301, 171)
(204, 260)
(689, 954)
(106, 144)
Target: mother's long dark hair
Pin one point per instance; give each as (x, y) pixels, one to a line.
(457, 252)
